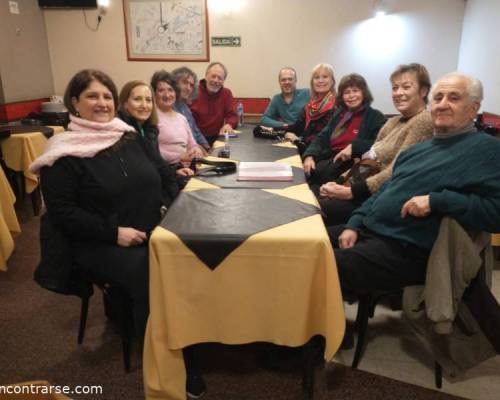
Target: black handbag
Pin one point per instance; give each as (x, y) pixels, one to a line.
(215, 167)
(268, 133)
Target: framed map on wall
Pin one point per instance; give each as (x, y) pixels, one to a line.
(166, 30)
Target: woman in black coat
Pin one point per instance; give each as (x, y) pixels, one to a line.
(137, 108)
(104, 189)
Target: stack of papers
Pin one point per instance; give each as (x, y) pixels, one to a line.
(264, 171)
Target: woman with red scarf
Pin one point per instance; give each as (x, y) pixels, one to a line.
(319, 110)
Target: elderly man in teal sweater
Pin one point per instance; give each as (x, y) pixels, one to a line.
(387, 241)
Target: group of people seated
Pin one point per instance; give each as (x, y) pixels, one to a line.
(429, 164)
(126, 155)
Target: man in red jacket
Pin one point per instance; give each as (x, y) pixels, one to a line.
(213, 108)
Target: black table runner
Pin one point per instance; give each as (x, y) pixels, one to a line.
(213, 223)
(246, 147)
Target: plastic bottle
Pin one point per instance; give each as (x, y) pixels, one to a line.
(239, 111)
(226, 150)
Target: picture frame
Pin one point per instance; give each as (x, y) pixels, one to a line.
(166, 30)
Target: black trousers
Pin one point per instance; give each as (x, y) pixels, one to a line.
(328, 171)
(337, 212)
(127, 267)
(379, 263)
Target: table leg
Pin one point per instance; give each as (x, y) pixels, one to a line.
(311, 353)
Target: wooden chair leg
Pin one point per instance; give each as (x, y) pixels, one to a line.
(127, 327)
(438, 375)
(126, 348)
(36, 201)
(362, 316)
(83, 319)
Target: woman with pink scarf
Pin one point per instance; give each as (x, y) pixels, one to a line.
(104, 189)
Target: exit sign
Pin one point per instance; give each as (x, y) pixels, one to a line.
(227, 41)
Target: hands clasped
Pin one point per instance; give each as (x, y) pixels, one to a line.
(128, 237)
(333, 190)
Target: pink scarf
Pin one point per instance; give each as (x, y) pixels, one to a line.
(84, 138)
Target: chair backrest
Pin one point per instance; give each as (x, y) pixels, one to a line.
(252, 105)
(56, 271)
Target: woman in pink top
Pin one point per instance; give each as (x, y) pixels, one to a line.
(175, 139)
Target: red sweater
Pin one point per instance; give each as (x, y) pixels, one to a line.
(212, 111)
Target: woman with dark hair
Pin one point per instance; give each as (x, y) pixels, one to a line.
(137, 108)
(410, 88)
(104, 189)
(320, 108)
(176, 141)
(354, 127)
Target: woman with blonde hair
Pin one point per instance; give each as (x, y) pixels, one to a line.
(319, 110)
(137, 108)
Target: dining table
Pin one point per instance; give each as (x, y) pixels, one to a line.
(24, 145)
(239, 262)
(9, 224)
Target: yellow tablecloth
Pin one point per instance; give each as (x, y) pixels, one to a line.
(57, 129)
(9, 225)
(495, 239)
(279, 286)
(19, 151)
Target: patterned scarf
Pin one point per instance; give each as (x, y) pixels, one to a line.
(83, 139)
(345, 119)
(318, 107)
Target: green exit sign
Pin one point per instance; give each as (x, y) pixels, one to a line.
(227, 41)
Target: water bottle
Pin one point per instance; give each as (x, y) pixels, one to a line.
(239, 111)
(226, 150)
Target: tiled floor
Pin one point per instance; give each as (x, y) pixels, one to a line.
(393, 351)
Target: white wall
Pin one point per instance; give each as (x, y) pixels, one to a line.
(300, 33)
(480, 49)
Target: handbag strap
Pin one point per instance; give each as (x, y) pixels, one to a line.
(346, 178)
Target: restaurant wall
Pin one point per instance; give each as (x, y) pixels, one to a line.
(25, 66)
(299, 33)
(479, 49)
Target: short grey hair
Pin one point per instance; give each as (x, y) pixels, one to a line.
(473, 86)
(213, 64)
(183, 73)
